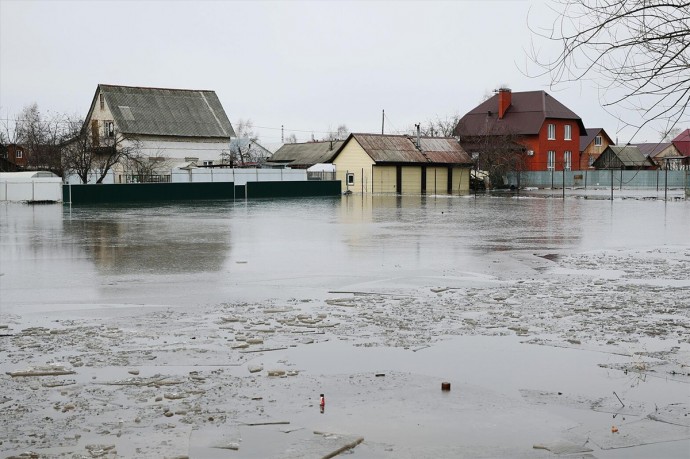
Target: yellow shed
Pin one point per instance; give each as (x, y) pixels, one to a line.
(375, 163)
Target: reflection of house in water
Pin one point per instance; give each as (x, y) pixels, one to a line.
(153, 246)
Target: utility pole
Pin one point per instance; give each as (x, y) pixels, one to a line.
(383, 120)
(282, 134)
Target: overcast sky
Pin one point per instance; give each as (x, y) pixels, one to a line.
(309, 66)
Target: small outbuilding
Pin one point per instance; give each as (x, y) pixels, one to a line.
(30, 186)
(625, 157)
(376, 163)
(304, 155)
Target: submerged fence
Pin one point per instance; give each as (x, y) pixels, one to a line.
(203, 175)
(166, 192)
(643, 179)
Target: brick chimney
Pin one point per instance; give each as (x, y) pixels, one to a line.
(504, 98)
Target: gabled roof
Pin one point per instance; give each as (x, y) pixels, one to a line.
(243, 143)
(165, 112)
(525, 116)
(682, 142)
(650, 150)
(403, 149)
(629, 156)
(306, 154)
(589, 136)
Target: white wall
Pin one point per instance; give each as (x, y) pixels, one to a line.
(239, 176)
(173, 148)
(36, 189)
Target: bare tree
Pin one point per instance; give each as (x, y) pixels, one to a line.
(439, 127)
(243, 149)
(291, 138)
(40, 137)
(340, 133)
(635, 50)
(85, 152)
(494, 150)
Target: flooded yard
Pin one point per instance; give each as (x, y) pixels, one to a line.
(210, 330)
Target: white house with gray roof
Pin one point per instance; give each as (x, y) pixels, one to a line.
(170, 124)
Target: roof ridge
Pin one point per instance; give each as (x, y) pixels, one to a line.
(153, 87)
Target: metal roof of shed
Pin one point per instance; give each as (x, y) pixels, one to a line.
(306, 154)
(403, 149)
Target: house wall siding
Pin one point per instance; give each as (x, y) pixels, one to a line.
(384, 179)
(594, 151)
(436, 180)
(461, 180)
(353, 159)
(411, 179)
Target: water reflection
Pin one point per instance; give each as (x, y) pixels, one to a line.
(155, 240)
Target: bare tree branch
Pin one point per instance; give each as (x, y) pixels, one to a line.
(636, 51)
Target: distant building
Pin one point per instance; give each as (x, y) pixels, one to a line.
(16, 154)
(658, 152)
(375, 163)
(592, 144)
(549, 130)
(626, 157)
(304, 155)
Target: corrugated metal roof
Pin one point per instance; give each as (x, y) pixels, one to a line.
(167, 112)
(524, 116)
(629, 155)
(306, 154)
(682, 142)
(403, 149)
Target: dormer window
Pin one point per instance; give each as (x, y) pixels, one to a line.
(551, 133)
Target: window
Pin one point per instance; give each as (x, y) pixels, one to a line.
(102, 101)
(552, 132)
(350, 179)
(18, 154)
(108, 129)
(567, 160)
(208, 163)
(597, 141)
(591, 159)
(568, 134)
(551, 160)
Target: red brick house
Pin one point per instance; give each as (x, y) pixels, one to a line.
(16, 154)
(549, 130)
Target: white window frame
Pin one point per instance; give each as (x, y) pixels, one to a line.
(551, 132)
(18, 154)
(350, 179)
(567, 132)
(550, 160)
(597, 141)
(567, 160)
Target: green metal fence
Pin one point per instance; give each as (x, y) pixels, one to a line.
(151, 192)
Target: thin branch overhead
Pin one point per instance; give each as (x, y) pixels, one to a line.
(636, 51)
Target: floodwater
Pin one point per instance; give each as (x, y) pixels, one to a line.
(554, 321)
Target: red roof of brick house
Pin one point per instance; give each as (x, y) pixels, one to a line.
(524, 114)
